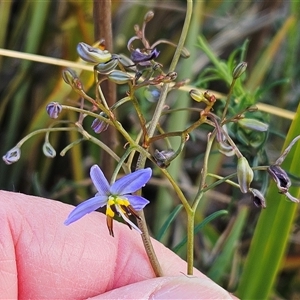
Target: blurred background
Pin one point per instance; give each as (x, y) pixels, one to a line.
(265, 34)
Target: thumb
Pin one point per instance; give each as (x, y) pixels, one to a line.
(179, 287)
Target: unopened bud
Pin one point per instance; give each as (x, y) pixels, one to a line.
(12, 156)
(48, 150)
(119, 77)
(244, 174)
(93, 55)
(258, 198)
(239, 70)
(105, 68)
(148, 16)
(53, 109)
(99, 125)
(197, 96)
(253, 124)
(185, 53)
(69, 75)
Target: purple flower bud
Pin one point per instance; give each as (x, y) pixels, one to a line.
(12, 156)
(53, 109)
(99, 125)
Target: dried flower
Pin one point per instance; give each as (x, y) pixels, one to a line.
(164, 157)
(282, 181)
(258, 198)
(53, 109)
(143, 58)
(12, 156)
(117, 197)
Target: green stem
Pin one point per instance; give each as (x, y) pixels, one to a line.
(155, 119)
(228, 99)
(190, 242)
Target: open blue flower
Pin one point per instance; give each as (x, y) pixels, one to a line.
(117, 197)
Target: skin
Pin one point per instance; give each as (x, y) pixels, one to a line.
(40, 258)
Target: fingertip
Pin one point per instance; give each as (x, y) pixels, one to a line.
(180, 287)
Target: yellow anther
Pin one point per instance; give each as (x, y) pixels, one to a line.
(109, 211)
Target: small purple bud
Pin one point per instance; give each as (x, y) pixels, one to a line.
(12, 156)
(99, 125)
(53, 109)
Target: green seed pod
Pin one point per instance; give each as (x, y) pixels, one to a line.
(119, 77)
(239, 70)
(244, 174)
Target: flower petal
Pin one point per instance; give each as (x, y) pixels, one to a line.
(137, 202)
(99, 181)
(85, 207)
(132, 182)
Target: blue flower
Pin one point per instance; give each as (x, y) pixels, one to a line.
(117, 197)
